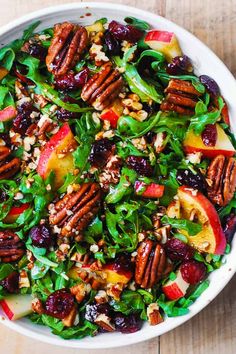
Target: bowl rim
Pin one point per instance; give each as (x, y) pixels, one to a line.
(136, 337)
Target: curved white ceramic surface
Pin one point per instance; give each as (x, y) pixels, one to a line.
(205, 62)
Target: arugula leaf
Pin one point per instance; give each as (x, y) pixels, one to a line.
(5, 270)
(139, 24)
(228, 208)
(123, 188)
(130, 302)
(170, 309)
(194, 80)
(189, 300)
(191, 227)
(133, 128)
(28, 32)
(77, 332)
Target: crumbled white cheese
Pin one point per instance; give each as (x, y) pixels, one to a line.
(94, 248)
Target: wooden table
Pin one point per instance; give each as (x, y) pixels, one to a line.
(213, 330)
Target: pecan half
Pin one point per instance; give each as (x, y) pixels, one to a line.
(11, 247)
(75, 210)
(103, 87)
(221, 179)
(68, 43)
(151, 264)
(8, 166)
(181, 97)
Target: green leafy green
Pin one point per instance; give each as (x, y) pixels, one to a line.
(139, 24)
(191, 227)
(123, 188)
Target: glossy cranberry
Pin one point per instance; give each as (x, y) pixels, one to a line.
(41, 236)
(23, 120)
(72, 81)
(125, 32)
(37, 51)
(127, 324)
(59, 304)
(93, 310)
(229, 226)
(140, 165)
(210, 84)
(188, 178)
(209, 135)
(6, 138)
(179, 66)
(177, 250)
(192, 271)
(123, 262)
(64, 115)
(101, 151)
(113, 45)
(11, 283)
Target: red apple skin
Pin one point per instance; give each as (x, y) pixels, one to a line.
(213, 228)
(8, 113)
(113, 113)
(17, 306)
(15, 212)
(49, 159)
(175, 289)
(152, 190)
(160, 36)
(193, 143)
(7, 310)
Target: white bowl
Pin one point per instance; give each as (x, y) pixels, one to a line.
(206, 62)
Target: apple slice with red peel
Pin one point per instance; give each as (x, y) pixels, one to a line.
(211, 238)
(17, 306)
(7, 114)
(193, 143)
(113, 113)
(175, 289)
(164, 42)
(57, 155)
(152, 190)
(15, 212)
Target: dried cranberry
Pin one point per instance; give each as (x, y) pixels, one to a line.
(64, 115)
(188, 178)
(23, 120)
(123, 262)
(71, 81)
(59, 304)
(11, 283)
(127, 324)
(37, 51)
(41, 236)
(3, 196)
(229, 227)
(140, 165)
(101, 151)
(179, 66)
(193, 272)
(6, 138)
(209, 135)
(210, 84)
(93, 310)
(113, 45)
(177, 250)
(125, 32)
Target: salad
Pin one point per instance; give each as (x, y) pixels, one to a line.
(117, 178)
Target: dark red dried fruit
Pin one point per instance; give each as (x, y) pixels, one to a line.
(127, 324)
(179, 66)
(59, 304)
(37, 51)
(188, 178)
(210, 84)
(101, 151)
(192, 271)
(93, 310)
(140, 165)
(125, 32)
(6, 138)
(23, 120)
(41, 236)
(229, 227)
(177, 250)
(209, 135)
(123, 262)
(11, 283)
(71, 81)
(113, 45)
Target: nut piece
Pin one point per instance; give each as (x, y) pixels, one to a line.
(68, 43)
(11, 247)
(75, 210)
(181, 97)
(221, 179)
(8, 166)
(153, 314)
(151, 264)
(70, 319)
(103, 87)
(104, 322)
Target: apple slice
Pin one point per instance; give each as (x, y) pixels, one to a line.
(15, 212)
(113, 113)
(3, 72)
(57, 155)
(164, 42)
(211, 238)
(175, 289)
(8, 113)
(16, 306)
(152, 190)
(193, 143)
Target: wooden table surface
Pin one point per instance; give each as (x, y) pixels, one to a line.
(214, 329)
